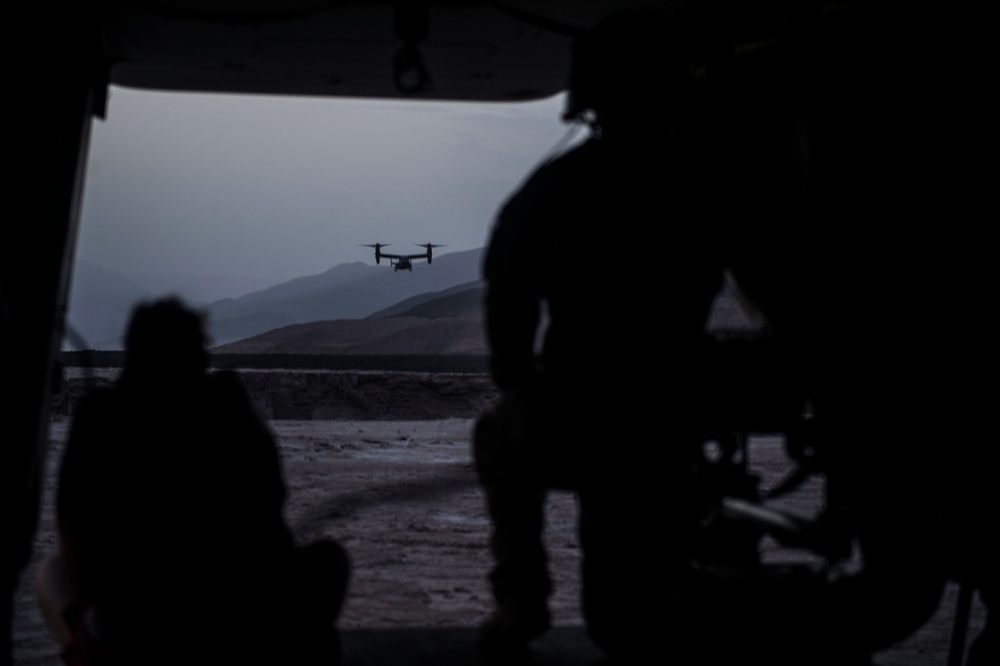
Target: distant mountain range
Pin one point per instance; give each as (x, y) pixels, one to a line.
(102, 300)
(346, 291)
(353, 308)
(446, 323)
(100, 303)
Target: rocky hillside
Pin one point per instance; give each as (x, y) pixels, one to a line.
(443, 323)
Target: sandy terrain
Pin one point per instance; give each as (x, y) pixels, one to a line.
(403, 499)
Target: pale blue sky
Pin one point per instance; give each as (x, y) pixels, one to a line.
(210, 195)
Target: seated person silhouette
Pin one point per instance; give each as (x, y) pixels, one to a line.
(172, 542)
(605, 407)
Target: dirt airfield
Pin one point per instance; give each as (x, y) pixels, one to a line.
(402, 497)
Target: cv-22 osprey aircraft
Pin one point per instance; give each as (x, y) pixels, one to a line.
(403, 262)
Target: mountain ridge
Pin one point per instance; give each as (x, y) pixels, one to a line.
(346, 291)
(102, 300)
(360, 310)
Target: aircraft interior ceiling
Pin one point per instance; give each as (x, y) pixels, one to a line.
(455, 50)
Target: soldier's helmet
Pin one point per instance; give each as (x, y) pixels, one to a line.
(628, 66)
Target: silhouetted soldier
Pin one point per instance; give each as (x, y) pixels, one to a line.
(605, 407)
(848, 125)
(172, 542)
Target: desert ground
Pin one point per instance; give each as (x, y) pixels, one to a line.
(401, 495)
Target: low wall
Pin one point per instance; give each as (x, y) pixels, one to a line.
(343, 395)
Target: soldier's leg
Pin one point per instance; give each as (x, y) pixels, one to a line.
(602, 593)
(629, 569)
(634, 531)
(57, 590)
(515, 497)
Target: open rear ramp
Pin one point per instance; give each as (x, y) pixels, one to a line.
(455, 646)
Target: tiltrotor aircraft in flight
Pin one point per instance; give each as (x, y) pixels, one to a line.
(403, 262)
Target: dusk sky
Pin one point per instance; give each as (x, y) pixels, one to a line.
(216, 195)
